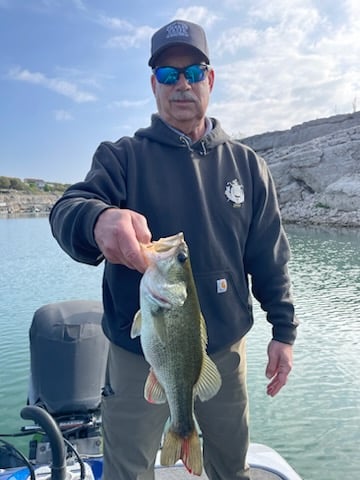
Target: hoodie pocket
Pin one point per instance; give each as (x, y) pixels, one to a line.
(226, 307)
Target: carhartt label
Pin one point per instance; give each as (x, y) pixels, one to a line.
(221, 285)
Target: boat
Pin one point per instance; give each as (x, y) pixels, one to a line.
(68, 353)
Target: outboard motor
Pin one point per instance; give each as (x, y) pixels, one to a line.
(68, 354)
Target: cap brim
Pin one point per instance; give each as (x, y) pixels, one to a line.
(156, 55)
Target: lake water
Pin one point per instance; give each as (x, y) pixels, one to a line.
(314, 422)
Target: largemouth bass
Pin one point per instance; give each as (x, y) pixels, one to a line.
(173, 337)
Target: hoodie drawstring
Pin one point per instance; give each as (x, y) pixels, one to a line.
(203, 146)
(187, 142)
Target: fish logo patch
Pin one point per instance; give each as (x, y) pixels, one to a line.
(234, 192)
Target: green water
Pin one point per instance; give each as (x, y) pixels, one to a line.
(314, 422)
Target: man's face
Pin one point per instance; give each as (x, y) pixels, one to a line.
(182, 105)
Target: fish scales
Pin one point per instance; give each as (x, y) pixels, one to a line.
(178, 367)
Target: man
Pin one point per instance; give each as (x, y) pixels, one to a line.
(183, 173)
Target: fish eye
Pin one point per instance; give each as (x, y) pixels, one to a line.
(182, 257)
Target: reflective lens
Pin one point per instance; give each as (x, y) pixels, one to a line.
(170, 75)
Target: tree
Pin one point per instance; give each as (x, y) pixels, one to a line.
(16, 184)
(4, 182)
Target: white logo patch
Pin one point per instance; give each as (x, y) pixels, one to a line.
(177, 29)
(221, 285)
(234, 192)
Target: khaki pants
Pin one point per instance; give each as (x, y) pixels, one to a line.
(132, 427)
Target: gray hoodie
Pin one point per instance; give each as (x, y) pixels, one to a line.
(220, 194)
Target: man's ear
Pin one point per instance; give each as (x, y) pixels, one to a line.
(211, 78)
(153, 83)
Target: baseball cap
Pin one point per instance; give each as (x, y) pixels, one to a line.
(178, 32)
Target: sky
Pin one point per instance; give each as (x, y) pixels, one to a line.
(74, 72)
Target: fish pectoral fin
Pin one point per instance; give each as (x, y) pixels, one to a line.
(209, 382)
(136, 326)
(187, 449)
(160, 327)
(153, 390)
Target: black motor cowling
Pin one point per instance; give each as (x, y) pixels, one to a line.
(68, 352)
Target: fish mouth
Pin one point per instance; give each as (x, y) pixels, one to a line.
(168, 243)
(164, 247)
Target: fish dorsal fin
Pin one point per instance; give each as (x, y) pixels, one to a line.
(153, 390)
(209, 382)
(136, 326)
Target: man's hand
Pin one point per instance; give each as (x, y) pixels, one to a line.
(118, 233)
(279, 365)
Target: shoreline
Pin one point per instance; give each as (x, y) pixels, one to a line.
(311, 216)
(309, 211)
(16, 203)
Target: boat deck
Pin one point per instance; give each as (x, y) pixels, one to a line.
(265, 464)
(179, 473)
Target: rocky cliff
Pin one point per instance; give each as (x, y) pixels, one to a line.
(316, 168)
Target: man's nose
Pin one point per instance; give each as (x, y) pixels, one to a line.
(183, 83)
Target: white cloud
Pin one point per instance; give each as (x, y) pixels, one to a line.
(129, 35)
(196, 14)
(88, 78)
(62, 115)
(234, 39)
(131, 103)
(58, 85)
(352, 7)
(134, 38)
(79, 4)
(275, 28)
(289, 63)
(42, 5)
(116, 23)
(279, 10)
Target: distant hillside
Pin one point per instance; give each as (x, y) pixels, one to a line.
(13, 202)
(30, 185)
(28, 196)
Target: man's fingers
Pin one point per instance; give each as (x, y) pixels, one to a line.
(276, 384)
(118, 233)
(279, 366)
(141, 228)
(270, 369)
(132, 257)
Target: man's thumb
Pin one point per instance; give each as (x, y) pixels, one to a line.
(270, 369)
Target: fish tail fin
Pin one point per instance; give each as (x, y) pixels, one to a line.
(186, 449)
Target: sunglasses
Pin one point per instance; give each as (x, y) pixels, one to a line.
(170, 75)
